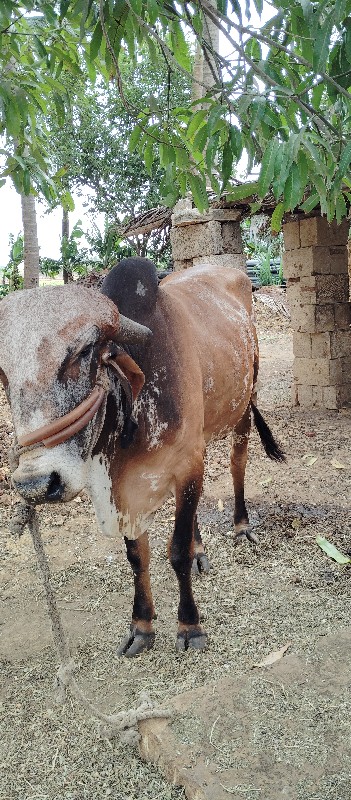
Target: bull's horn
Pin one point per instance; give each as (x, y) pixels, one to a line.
(131, 332)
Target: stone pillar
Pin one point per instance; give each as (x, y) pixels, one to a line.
(213, 238)
(315, 266)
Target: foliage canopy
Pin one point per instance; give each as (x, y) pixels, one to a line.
(280, 91)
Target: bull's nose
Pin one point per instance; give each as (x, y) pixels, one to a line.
(39, 488)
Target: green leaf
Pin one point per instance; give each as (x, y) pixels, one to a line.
(277, 216)
(345, 159)
(227, 163)
(211, 151)
(134, 138)
(321, 45)
(180, 47)
(332, 551)
(149, 156)
(198, 189)
(96, 40)
(26, 182)
(243, 192)
(214, 116)
(310, 203)
(293, 190)
(196, 121)
(200, 138)
(267, 167)
(340, 208)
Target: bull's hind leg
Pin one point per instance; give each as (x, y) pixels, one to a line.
(141, 635)
(238, 461)
(181, 553)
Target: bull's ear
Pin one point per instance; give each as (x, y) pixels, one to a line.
(131, 376)
(133, 373)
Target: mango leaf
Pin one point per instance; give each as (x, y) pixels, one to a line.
(340, 208)
(196, 121)
(345, 159)
(96, 40)
(198, 190)
(332, 551)
(267, 168)
(243, 192)
(227, 163)
(310, 203)
(293, 190)
(321, 45)
(200, 138)
(277, 216)
(134, 138)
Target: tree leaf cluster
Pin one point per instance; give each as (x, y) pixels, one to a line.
(279, 95)
(281, 99)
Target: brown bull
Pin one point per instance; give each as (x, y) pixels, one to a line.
(119, 392)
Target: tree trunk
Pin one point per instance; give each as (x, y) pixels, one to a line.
(30, 241)
(211, 36)
(197, 88)
(67, 276)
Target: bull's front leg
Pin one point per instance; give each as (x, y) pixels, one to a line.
(181, 553)
(141, 635)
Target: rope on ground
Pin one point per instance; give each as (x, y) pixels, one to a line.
(123, 724)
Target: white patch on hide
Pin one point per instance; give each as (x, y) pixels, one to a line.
(147, 407)
(110, 520)
(141, 289)
(153, 481)
(208, 385)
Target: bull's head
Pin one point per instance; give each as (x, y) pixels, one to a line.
(56, 346)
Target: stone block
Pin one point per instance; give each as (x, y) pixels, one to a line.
(238, 261)
(312, 371)
(303, 396)
(293, 291)
(315, 260)
(323, 289)
(231, 237)
(317, 396)
(302, 346)
(335, 397)
(342, 312)
(324, 318)
(340, 344)
(339, 260)
(184, 264)
(192, 241)
(309, 396)
(318, 231)
(321, 345)
(291, 233)
(335, 371)
(312, 318)
(346, 368)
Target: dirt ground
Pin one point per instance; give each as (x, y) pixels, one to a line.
(254, 601)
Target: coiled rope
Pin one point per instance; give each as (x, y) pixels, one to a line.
(123, 724)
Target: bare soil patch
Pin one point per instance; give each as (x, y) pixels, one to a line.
(254, 600)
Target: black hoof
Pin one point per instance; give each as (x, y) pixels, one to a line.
(200, 564)
(191, 640)
(246, 533)
(137, 642)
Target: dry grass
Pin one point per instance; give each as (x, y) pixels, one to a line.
(254, 600)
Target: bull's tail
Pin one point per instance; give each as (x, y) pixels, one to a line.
(271, 447)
